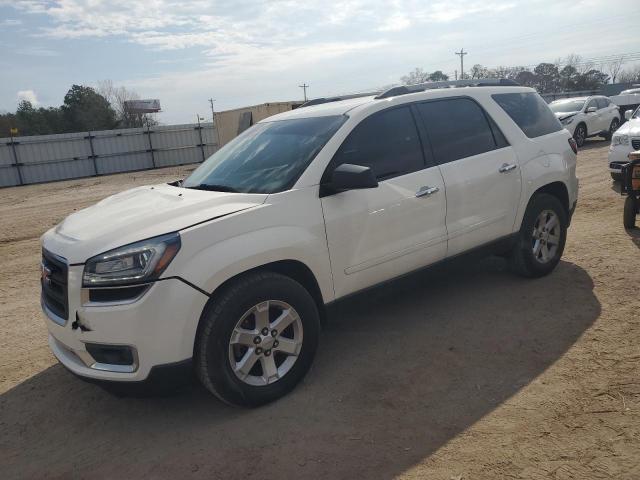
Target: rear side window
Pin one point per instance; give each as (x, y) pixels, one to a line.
(459, 128)
(530, 112)
(387, 142)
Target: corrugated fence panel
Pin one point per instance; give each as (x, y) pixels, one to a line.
(46, 158)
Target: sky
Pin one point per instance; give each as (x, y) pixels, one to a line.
(249, 52)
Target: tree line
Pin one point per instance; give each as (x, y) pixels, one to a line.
(570, 74)
(83, 109)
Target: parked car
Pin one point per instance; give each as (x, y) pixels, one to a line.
(631, 91)
(228, 272)
(587, 117)
(624, 141)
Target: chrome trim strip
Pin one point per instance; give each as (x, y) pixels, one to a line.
(86, 302)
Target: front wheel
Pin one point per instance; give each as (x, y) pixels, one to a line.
(580, 135)
(541, 238)
(257, 339)
(615, 123)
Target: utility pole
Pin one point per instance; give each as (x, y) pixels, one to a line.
(456, 74)
(304, 87)
(214, 123)
(461, 53)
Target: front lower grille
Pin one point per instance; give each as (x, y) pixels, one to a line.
(635, 143)
(53, 280)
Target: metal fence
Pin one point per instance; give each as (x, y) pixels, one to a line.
(46, 158)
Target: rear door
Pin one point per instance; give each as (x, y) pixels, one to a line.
(480, 171)
(379, 233)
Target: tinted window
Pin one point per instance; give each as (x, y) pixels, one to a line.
(603, 103)
(457, 128)
(387, 142)
(266, 158)
(530, 112)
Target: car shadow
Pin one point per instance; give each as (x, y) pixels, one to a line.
(401, 370)
(594, 142)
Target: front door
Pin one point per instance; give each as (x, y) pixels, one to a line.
(379, 233)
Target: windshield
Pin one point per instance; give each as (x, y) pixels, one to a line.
(267, 158)
(566, 107)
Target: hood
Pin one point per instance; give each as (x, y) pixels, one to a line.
(630, 127)
(564, 115)
(140, 213)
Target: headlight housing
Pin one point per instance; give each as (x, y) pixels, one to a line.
(131, 264)
(620, 140)
(567, 121)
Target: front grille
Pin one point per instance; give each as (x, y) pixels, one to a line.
(635, 143)
(54, 284)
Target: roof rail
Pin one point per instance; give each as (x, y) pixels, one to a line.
(319, 101)
(421, 87)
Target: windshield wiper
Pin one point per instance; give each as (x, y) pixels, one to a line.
(214, 188)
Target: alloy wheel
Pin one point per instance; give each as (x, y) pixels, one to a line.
(265, 343)
(546, 236)
(580, 135)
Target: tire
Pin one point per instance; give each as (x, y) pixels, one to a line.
(580, 134)
(629, 213)
(524, 260)
(615, 123)
(616, 177)
(222, 321)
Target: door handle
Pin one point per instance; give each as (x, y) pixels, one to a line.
(426, 191)
(507, 167)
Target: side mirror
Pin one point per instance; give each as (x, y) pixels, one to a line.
(627, 114)
(591, 109)
(351, 177)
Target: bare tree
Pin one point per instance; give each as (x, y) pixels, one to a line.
(117, 96)
(614, 67)
(631, 75)
(415, 77)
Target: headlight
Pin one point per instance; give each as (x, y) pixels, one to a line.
(567, 121)
(134, 263)
(620, 140)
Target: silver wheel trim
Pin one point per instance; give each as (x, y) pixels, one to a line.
(614, 126)
(546, 236)
(580, 135)
(273, 344)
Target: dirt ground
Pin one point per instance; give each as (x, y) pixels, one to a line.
(463, 372)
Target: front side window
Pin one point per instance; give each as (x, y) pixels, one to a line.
(591, 104)
(458, 128)
(566, 106)
(530, 112)
(387, 142)
(267, 158)
(602, 103)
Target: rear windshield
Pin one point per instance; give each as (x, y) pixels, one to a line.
(267, 158)
(530, 112)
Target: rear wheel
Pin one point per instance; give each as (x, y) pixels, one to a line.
(580, 135)
(257, 339)
(541, 238)
(615, 123)
(629, 213)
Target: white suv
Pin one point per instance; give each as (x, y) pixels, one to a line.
(227, 273)
(587, 117)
